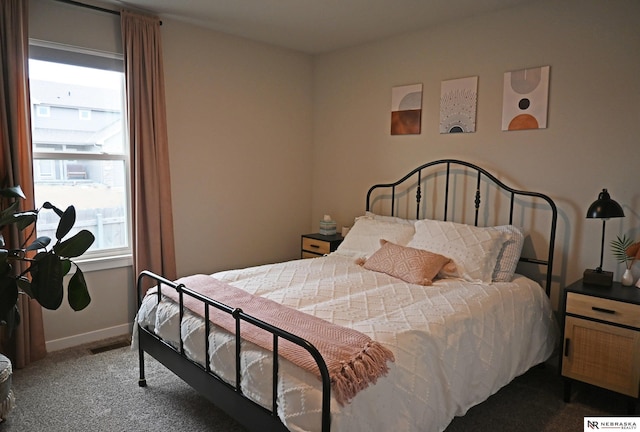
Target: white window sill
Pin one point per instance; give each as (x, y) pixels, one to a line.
(104, 263)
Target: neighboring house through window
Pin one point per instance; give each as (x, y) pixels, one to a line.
(80, 145)
(43, 111)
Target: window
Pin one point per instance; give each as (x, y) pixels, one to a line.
(43, 111)
(80, 149)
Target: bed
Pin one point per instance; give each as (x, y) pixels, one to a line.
(443, 270)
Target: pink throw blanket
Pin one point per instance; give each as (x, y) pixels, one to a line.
(353, 359)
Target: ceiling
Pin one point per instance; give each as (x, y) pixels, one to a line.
(317, 26)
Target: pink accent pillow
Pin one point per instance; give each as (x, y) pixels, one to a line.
(412, 265)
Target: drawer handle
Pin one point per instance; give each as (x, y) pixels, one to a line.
(603, 310)
(315, 246)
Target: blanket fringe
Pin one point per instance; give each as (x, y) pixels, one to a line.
(364, 369)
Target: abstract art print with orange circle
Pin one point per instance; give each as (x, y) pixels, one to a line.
(525, 99)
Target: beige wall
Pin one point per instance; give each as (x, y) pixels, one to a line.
(264, 141)
(239, 118)
(594, 108)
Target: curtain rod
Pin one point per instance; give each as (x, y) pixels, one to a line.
(90, 6)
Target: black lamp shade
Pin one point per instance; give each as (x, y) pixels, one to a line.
(604, 207)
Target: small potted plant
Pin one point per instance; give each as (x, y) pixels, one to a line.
(46, 264)
(625, 251)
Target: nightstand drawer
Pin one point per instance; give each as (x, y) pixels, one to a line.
(306, 254)
(316, 246)
(612, 311)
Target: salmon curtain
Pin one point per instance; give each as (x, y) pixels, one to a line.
(27, 344)
(153, 239)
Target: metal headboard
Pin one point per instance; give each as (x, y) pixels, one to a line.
(416, 177)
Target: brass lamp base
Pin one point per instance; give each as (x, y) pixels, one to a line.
(597, 277)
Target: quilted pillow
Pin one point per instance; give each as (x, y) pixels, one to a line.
(474, 250)
(395, 219)
(415, 266)
(364, 237)
(509, 255)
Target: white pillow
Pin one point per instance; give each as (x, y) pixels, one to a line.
(509, 253)
(473, 249)
(390, 218)
(364, 237)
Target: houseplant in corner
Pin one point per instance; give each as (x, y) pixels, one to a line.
(46, 264)
(625, 252)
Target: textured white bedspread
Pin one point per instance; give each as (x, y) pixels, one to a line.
(455, 343)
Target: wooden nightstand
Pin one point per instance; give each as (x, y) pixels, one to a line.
(601, 335)
(315, 245)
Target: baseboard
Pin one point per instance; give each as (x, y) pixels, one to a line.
(81, 339)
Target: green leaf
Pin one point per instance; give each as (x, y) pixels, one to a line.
(77, 292)
(67, 220)
(12, 192)
(46, 281)
(7, 215)
(619, 248)
(24, 219)
(76, 245)
(50, 206)
(12, 319)
(25, 285)
(39, 243)
(8, 295)
(66, 266)
(4, 254)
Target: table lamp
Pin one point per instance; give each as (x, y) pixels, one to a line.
(603, 208)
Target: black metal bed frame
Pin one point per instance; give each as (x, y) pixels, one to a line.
(479, 172)
(226, 396)
(230, 398)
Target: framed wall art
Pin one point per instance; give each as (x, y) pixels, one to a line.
(525, 99)
(406, 109)
(458, 103)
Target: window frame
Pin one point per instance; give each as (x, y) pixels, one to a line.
(77, 56)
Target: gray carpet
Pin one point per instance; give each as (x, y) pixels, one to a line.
(76, 390)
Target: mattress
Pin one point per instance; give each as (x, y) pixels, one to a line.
(455, 343)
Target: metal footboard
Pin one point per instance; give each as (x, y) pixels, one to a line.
(202, 378)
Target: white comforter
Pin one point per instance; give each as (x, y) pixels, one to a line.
(455, 343)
